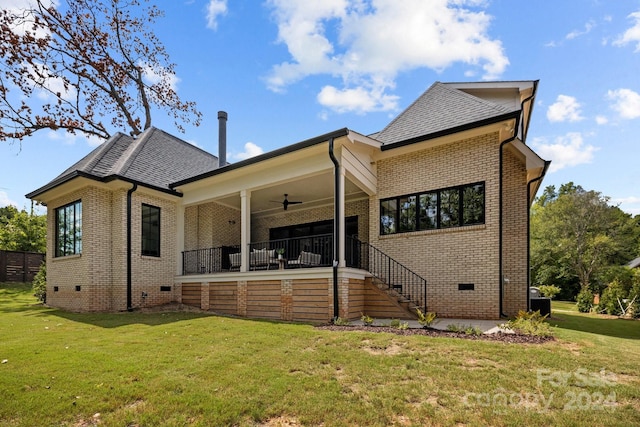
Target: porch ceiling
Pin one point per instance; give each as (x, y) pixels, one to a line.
(312, 191)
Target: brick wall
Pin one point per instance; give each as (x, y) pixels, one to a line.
(516, 208)
(70, 279)
(96, 280)
(151, 274)
(463, 255)
(208, 226)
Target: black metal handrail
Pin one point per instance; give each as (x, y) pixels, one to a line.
(207, 261)
(358, 254)
(395, 275)
(292, 248)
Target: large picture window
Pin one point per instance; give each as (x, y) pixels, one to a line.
(150, 230)
(443, 208)
(69, 229)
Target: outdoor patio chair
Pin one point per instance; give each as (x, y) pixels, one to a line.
(263, 258)
(306, 259)
(234, 261)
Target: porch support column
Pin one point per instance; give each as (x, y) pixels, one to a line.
(342, 227)
(179, 239)
(245, 228)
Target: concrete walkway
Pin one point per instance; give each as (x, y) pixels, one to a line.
(486, 326)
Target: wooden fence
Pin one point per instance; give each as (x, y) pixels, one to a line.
(19, 266)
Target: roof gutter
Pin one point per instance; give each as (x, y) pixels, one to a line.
(453, 130)
(105, 179)
(129, 274)
(266, 156)
(531, 181)
(502, 279)
(336, 228)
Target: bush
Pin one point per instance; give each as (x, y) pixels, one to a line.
(426, 319)
(39, 286)
(339, 321)
(584, 301)
(367, 320)
(610, 296)
(549, 291)
(530, 323)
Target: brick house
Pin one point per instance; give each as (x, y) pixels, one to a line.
(430, 212)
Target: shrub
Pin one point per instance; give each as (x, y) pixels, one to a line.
(339, 321)
(39, 286)
(611, 298)
(367, 320)
(584, 301)
(530, 323)
(426, 319)
(549, 291)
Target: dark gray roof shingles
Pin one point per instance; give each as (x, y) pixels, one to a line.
(438, 109)
(155, 158)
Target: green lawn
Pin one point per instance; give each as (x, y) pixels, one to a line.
(196, 369)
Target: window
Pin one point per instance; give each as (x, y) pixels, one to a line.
(69, 229)
(150, 230)
(444, 208)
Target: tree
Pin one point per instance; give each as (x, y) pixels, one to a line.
(576, 236)
(90, 60)
(24, 232)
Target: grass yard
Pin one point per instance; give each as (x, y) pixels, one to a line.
(177, 369)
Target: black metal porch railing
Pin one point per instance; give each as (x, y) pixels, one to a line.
(207, 261)
(393, 274)
(315, 251)
(321, 246)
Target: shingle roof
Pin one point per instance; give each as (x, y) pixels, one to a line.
(155, 158)
(438, 109)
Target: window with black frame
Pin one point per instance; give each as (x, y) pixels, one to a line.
(150, 230)
(69, 229)
(435, 209)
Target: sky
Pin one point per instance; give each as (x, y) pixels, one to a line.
(289, 70)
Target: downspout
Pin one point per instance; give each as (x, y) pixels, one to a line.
(129, 193)
(336, 229)
(500, 210)
(544, 172)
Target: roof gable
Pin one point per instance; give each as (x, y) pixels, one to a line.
(155, 159)
(438, 109)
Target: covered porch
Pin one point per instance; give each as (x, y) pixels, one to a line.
(283, 210)
(281, 235)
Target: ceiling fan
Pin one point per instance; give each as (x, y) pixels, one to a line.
(286, 202)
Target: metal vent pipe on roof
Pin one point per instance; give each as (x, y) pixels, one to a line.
(222, 138)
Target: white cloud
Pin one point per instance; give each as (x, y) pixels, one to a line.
(250, 150)
(566, 151)
(25, 25)
(215, 9)
(69, 139)
(626, 102)
(156, 76)
(375, 40)
(602, 120)
(566, 108)
(577, 33)
(5, 200)
(629, 204)
(357, 100)
(632, 35)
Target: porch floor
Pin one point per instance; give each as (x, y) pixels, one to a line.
(486, 326)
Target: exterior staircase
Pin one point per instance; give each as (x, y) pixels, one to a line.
(400, 283)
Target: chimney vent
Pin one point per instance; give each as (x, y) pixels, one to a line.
(222, 138)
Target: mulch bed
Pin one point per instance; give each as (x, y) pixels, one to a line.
(500, 336)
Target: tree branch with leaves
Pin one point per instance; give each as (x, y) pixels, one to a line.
(88, 66)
